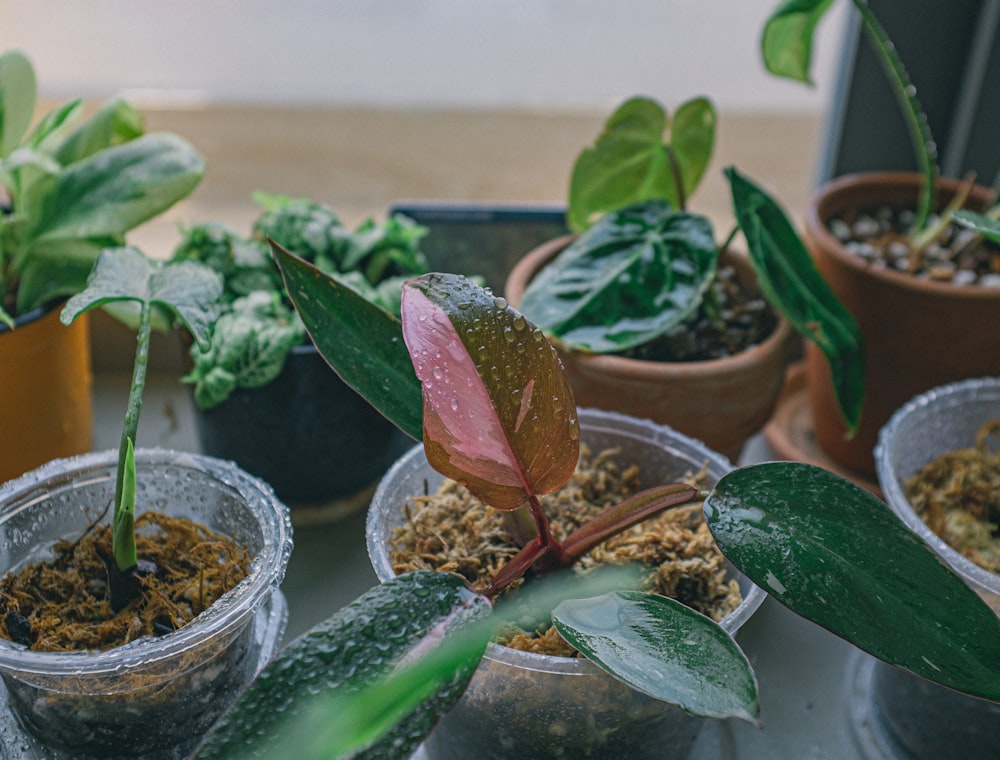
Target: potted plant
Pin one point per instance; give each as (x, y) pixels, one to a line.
(918, 283)
(125, 633)
(654, 318)
(68, 187)
(263, 395)
(938, 470)
(366, 680)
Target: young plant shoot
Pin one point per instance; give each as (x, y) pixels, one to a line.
(185, 291)
(499, 417)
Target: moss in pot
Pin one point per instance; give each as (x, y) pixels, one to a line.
(918, 298)
(824, 547)
(651, 315)
(148, 646)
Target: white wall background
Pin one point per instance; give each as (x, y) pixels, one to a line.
(476, 53)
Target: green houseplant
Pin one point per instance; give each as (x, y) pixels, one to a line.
(819, 544)
(651, 315)
(160, 615)
(914, 291)
(264, 397)
(69, 186)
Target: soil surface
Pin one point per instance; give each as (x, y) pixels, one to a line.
(451, 531)
(64, 603)
(731, 320)
(957, 255)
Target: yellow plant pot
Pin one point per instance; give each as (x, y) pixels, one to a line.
(46, 408)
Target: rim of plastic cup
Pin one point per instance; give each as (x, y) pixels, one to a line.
(592, 419)
(232, 609)
(915, 411)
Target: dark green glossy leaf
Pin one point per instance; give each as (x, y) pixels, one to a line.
(362, 342)
(664, 649)
(499, 415)
(325, 695)
(986, 226)
(787, 42)
(629, 279)
(788, 277)
(187, 289)
(834, 554)
(633, 161)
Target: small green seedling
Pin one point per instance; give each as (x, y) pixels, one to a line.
(186, 291)
(497, 414)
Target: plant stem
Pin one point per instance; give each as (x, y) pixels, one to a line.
(131, 424)
(924, 146)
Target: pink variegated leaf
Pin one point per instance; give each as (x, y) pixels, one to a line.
(499, 415)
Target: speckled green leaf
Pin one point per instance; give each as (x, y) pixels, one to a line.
(835, 554)
(499, 415)
(664, 649)
(986, 226)
(629, 279)
(343, 656)
(361, 341)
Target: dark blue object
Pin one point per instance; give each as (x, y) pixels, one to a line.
(307, 433)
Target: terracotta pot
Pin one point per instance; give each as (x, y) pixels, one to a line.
(45, 390)
(721, 402)
(918, 334)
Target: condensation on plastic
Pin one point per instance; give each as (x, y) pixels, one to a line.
(522, 704)
(112, 703)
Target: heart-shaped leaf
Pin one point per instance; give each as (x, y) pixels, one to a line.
(362, 342)
(834, 554)
(322, 696)
(788, 277)
(18, 90)
(185, 288)
(664, 649)
(629, 279)
(786, 44)
(633, 161)
(499, 415)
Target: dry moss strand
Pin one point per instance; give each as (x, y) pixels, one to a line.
(958, 496)
(453, 532)
(62, 604)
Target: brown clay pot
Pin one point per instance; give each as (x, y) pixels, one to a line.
(45, 390)
(918, 334)
(721, 402)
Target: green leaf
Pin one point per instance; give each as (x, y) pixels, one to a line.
(110, 193)
(834, 554)
(632, 161)
(116, 121)
(629, 279)
(984, 225)
(186, 289)
(362, 342)
(18, 90)
(787, 275)
(499, 415)
(123, 533)
(664, 649)
(325, 694)
(787, 41)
